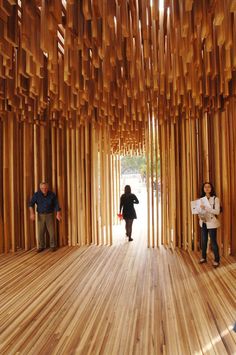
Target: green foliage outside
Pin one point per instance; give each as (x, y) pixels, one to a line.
(137, 165)
(133, 165)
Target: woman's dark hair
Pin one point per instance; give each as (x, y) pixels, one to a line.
(127, 190)
(212, 193)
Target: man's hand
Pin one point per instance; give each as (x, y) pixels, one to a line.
(32, 216)
(58, 216)
(203, 207)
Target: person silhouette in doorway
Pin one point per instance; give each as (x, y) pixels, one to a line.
(127, 201)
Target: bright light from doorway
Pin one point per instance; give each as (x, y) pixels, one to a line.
(161, 4)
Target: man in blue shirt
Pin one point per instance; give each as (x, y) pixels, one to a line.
(47, 203)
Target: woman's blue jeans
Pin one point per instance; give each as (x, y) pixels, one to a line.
(215, 248)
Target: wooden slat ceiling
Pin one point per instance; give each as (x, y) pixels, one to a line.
(117, 61)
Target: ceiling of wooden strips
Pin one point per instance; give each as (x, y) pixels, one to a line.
(116, 61)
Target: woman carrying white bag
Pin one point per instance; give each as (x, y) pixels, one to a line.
(209, 209)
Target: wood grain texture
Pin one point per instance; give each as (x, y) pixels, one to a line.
(123, 299)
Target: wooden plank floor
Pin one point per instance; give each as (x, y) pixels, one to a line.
(124, 299)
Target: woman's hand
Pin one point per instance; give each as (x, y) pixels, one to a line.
(203, 207)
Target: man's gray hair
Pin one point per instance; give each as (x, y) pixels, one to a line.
(43, 183)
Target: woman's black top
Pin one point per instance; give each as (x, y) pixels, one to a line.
(127, 206)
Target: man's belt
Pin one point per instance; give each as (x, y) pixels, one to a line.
(45, 212)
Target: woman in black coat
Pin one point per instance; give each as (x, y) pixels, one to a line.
(127, 201)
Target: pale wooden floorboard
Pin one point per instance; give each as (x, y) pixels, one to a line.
(124, 299)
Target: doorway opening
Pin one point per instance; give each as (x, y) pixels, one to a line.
(135, 172)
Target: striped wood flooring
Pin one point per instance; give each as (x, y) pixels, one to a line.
(124, 299)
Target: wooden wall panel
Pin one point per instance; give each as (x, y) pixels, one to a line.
(31, 153)
(1, 188)
(216, 135)
(7, 176)
(28, 181)
(60, 184)
(232, 157)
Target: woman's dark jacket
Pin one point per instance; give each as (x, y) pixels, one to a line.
(127, 206)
